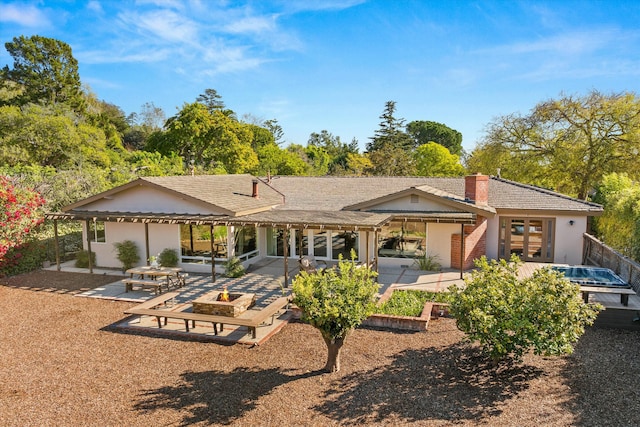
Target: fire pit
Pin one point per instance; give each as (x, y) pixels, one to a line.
(214, 303)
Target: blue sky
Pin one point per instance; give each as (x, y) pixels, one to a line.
(332, 64)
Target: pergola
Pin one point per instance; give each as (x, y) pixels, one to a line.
(361, 221)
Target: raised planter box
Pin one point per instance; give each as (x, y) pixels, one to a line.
(431, 310)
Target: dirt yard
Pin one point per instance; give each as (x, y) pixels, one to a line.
(61, 365)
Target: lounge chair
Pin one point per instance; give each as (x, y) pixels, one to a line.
(309, 265)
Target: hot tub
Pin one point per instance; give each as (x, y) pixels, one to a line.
(591, 276)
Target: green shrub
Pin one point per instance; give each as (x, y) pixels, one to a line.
(233, 268)
(409, 302)
(82, 259)
(23, 259)
(127, 253)
(168, 258)
(509, 316)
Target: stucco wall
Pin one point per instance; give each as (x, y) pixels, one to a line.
(569, 241)
(161, 236)
(423, 204)
(439, 241)
(146, 199)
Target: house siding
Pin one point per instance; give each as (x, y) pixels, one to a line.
(145, 199)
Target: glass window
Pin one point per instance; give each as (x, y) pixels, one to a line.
(275, 242)
(96, 231)
(245, 240)
(195, 243)
(343, 243)
(320, 243)
(402, 240)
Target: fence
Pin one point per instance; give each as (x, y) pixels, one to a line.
(598, 254)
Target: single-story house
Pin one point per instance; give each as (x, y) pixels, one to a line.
(391, 220)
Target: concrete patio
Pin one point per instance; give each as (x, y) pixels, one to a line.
(265, 279)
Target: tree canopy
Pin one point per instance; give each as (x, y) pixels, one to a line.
(619, 225)
(424, 131)
(433, 159)
(567, 144)
(46, 70)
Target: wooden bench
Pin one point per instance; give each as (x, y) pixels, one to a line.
(624, 292)
(155, 284)
(250, 318)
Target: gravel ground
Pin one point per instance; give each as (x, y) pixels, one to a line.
(62, 366)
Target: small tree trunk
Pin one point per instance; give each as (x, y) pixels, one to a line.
(334, 345)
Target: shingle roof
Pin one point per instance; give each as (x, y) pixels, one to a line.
(230, 192)
(336, 193)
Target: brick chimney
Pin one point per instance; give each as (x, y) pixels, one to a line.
(254, 194)
(476, 189)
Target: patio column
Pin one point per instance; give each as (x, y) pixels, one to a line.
(375, 250)
(213, 255)
(366, 252)
(285, 250)
(89, 245)
(57, 243)
(461, 250)
(146, 240)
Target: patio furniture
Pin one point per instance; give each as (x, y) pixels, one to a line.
(250, 318)
(173, 278)
(154, 284)
(309, 265)
(624, 292)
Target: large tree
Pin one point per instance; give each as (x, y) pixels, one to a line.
(336, 150)
(390, 148)
(432, 159)
(47, 71)
(335, 302)
(213, 140)
(50, 136)
(619, 225)
(566, 144)
(390, 131)
(424, 131)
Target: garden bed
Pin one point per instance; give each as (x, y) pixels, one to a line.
(430, 310)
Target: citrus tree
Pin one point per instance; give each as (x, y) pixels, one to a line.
(509, 316)
(19, 214)
(336, 301)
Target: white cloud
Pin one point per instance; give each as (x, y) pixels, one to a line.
(569, 43)
(25, 15)
(95, 6)
(163, 24)
(252, 24)
(131, 56)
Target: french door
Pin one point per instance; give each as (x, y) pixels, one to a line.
(529, 238)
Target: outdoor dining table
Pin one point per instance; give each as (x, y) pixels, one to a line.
(172, 275)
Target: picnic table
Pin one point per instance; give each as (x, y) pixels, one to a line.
(154, 277)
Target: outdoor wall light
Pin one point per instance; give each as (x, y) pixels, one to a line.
(571, 222)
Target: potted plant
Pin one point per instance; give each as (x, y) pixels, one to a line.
(153, 261)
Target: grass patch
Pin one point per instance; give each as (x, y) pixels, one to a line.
(409, 302)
